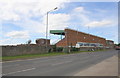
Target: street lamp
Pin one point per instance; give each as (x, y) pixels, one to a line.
(47, 26)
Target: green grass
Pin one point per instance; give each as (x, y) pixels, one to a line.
(7, 58)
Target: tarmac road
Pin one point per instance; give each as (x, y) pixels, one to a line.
(62, 65)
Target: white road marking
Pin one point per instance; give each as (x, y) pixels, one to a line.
(11, 65)
(18, 71)
(61, 63)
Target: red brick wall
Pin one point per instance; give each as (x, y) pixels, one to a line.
(72, 37)
(62, 43)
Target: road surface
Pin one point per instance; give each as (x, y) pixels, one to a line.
(62, 65)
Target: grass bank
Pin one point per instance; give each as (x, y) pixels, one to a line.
(28, 56)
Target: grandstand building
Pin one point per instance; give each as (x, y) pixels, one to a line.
(78, 39)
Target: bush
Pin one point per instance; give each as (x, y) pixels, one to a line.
(66, 50)
(74, 49)
(53, 48)
(59, 49)
(56, 49)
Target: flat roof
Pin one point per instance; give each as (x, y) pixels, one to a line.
(57, 32)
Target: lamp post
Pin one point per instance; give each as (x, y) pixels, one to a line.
(47, 26)
(89, 33)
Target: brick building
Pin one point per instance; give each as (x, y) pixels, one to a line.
(42, 42)
(72, 37)
(110, 43)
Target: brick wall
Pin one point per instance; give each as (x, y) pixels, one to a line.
(23, 49)
(62, 42)
(72, 37)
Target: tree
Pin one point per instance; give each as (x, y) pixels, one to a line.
(29, 41)
(119, 44)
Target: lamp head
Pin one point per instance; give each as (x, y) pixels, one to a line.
(55, 8)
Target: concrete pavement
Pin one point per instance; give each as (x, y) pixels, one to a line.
(108, 67)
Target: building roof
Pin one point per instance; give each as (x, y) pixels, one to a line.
(86, 33)
(58, 32)
(110, 40)
(62, 32)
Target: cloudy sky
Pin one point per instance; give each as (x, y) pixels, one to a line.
(21, 21)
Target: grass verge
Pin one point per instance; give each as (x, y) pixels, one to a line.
(26, 56)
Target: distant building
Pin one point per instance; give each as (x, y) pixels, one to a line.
(73, 37)
(42, 42)
(110, 43)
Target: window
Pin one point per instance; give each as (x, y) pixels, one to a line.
(84, 37)
(93, 44)
(81, 44)
(86, 44)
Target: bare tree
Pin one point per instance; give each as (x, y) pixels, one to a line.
(29, 41)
